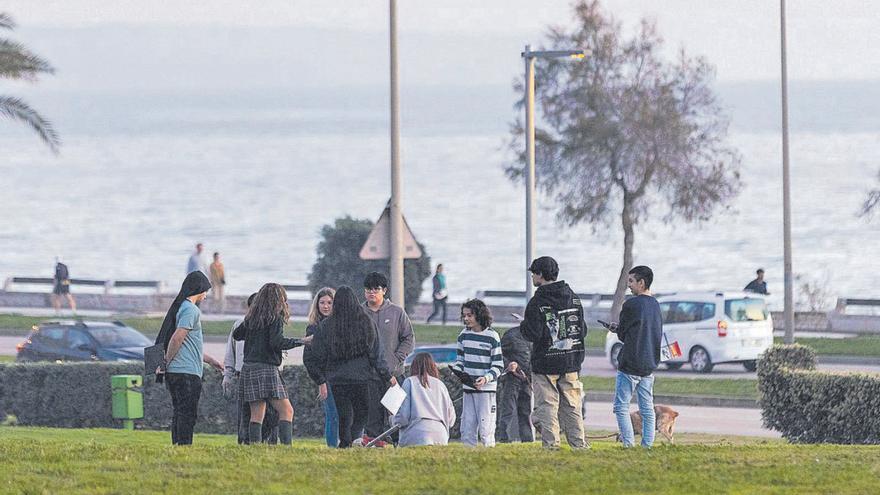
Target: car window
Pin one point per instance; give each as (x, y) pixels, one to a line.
(708, 311)
(665, 309)
(51, 335)
(117, 336)
(76, 338)
(748, 309)
(443, 355)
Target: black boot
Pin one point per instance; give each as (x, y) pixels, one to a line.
(255, 432)
(285, 432)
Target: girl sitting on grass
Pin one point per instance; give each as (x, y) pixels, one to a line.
(426, 414)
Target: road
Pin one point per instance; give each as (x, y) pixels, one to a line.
(713, 420)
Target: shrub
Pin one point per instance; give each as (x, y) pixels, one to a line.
(78, 395)
(338, 262)
(808, 406)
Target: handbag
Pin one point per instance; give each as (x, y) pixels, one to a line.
(669, 351)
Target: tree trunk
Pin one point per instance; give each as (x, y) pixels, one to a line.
(628, 240)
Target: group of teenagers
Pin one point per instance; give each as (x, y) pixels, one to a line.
(355, 352)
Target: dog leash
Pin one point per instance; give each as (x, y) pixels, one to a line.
(588, 437)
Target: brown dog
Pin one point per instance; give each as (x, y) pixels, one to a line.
(665, 419)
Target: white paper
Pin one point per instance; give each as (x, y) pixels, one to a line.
(393, 398)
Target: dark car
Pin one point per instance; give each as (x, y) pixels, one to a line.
(83, 341)
(442, 354)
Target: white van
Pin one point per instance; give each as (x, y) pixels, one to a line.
(711, 328)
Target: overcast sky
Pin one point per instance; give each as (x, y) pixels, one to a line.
(827, 40)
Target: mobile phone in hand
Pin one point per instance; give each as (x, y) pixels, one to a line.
(612, 327)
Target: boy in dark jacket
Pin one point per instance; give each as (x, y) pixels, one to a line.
(641, 330)
(515, 392)
(554, 324)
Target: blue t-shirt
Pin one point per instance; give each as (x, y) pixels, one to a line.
(189, 357)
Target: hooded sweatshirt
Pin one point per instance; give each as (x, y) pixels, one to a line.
(194, 283)
(396, 338)
(554, 324)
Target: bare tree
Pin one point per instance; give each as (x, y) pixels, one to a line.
(626, 134)
(871, 201)
(17, 62)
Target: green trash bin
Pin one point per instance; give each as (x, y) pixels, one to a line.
(128, 398)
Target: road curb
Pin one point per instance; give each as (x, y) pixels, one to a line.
(682, 400)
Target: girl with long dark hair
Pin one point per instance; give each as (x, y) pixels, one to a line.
(345, 355)
(320, 309)
(262, 332)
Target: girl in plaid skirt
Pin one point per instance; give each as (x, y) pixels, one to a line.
(260, 381)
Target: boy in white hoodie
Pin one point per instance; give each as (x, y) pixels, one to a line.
(427, 413)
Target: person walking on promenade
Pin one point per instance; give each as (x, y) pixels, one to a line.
(197, 261)
(439, 294)
(345, 357)
(478, 363)
(61, 287)
(758, 285)
(181, 336)
(218, 283)
(241, 410)
(554, 324)
(515, 389)
(396, 341)
(427, 413)
(263, 333)
(641, 331)
(319, 310)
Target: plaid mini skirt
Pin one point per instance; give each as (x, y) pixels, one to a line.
(260, 381)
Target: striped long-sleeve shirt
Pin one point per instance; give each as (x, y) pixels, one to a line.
(479, 355)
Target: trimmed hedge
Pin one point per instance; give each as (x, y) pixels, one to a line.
(78, 395)
(808, 406)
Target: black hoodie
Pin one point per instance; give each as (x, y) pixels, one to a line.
(194, 283)
(554, 324)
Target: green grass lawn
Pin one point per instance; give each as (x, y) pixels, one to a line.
(743, 388)
(862, 345)
(39, 460)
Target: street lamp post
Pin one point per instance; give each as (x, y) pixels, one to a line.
(786, 192)
(396, 233)
(530, 56)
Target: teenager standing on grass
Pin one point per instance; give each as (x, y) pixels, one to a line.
(320, 309)
(345, 357)
(554, 324)
(396, 341)
(181, 336)
(478, 355)
(261, 382)
(641, 331)
(233, 361)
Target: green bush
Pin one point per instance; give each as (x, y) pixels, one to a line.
(338, 262)
(807, 406)
(78, 395)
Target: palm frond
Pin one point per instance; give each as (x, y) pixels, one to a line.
(6, 21)
(17, 62)
(16, 109)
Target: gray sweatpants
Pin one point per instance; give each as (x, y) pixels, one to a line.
(478, 413)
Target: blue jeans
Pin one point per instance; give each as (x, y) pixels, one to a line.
(626, 385)
(331, 420)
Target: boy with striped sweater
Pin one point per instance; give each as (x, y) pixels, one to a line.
(479, 364)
